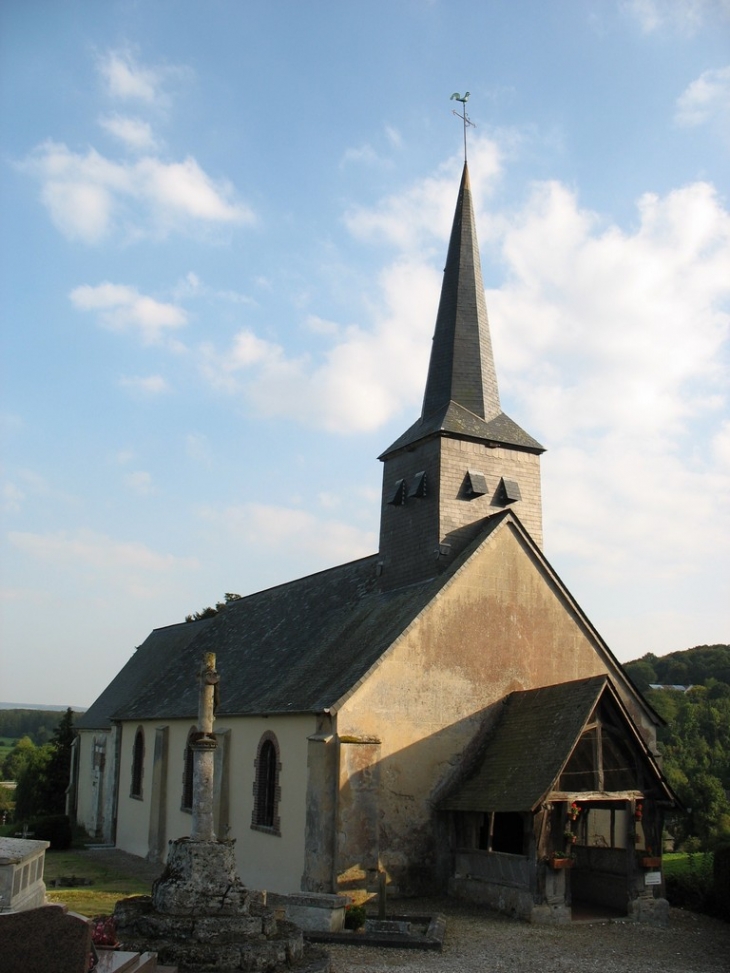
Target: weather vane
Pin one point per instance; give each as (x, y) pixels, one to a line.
(465, 118)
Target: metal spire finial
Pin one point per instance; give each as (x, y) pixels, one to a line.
(465, 118)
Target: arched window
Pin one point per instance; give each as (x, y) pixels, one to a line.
(137, 764)
(266, 790)
(187, 782)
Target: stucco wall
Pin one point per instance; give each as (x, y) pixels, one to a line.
(498, 626)
(267, 861)
(133, 814)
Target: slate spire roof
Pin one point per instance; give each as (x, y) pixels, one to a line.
(462, 364)
(462, 397)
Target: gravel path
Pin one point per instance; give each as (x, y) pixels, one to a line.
(479, 941)
(484, 942)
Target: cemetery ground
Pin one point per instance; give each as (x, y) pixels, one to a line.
(90, 882)
(477, 941)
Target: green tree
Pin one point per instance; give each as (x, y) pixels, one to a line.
(709, 810)
(32, 791)
(642, 674)
(59, 765)
(44, 778)
(17, 758)
(210, 612)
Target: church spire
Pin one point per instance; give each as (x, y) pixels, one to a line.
(463, 459)
(461, 369)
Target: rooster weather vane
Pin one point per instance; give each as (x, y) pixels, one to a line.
(464, 117)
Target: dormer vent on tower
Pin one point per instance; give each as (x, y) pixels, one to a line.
(474, 458)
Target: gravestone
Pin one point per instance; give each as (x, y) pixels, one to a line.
(44, 940)
(21, 874)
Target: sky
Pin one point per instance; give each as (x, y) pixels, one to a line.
(223, 226)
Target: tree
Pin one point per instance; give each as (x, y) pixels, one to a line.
(32, 788)
(44, 778)
(59, 766)
(17, 758)
(210, 612)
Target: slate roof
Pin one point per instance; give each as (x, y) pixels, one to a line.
(296, 648)
(462, 397)
(457, 421)
(300, 647)
(549, 721)
(150, 659)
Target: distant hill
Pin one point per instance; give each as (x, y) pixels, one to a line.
(45, 707)
(700, 666)
(38, 723)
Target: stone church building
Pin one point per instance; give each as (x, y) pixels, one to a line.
(442, 711)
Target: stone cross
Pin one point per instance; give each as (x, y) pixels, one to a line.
(203, 745)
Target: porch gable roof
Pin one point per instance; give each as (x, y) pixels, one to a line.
(533, 737)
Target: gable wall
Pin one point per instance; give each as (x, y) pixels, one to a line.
(274, 862)
(498, 627)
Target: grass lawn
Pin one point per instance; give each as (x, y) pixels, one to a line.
(681, 863)
(90, 900)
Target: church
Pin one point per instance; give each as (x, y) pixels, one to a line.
(442, 712)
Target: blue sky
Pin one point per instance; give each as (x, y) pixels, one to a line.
(223, 226)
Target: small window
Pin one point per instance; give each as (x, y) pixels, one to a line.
(266, 790)
(188, 769)
(137, 764)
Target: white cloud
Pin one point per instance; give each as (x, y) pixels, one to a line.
(376, 368)
(97, 551)
(13, 498)
(198, 449)
(146, 385)
(125, 79)
(123, 308)
(88, 196)
(361, 381)
(706, 99)
(139, 482)
(322, 542)
(682, 16)
(610, 346)
(413, 218)
(630, 324)
(136, 134)
(363, 154)
(191, 286)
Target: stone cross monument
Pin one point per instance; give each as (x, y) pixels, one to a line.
(203, 745)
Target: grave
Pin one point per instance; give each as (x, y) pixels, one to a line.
(200, 915)
(45, 940)
(21, 874)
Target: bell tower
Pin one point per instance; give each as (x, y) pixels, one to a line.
(463, 459)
